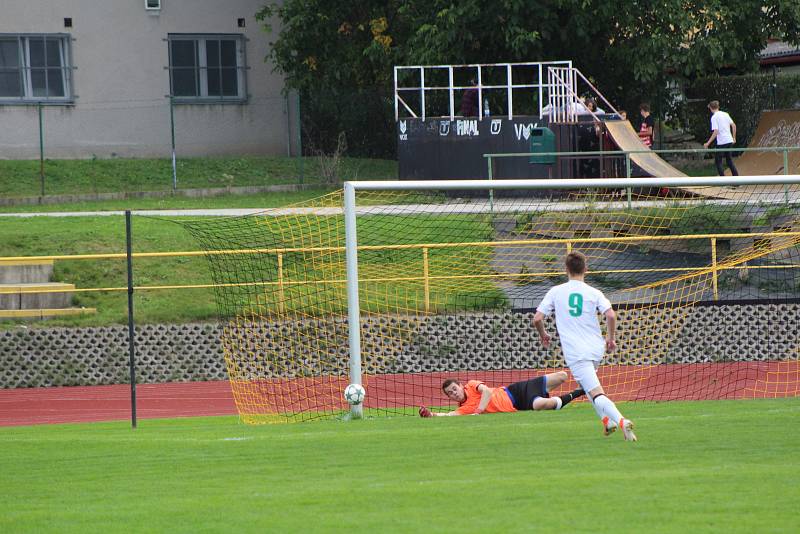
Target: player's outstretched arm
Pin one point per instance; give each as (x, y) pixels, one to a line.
(425, 412)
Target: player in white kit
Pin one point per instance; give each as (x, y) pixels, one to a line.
(576, 304)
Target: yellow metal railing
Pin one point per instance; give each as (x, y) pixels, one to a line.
(425, 276)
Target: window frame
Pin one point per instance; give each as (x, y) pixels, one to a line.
(25, 69)
(157, 7)
(201, 68)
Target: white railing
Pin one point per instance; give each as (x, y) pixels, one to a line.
(404, 89)
(564, 103)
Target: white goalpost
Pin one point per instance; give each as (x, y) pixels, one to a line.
(710, 191)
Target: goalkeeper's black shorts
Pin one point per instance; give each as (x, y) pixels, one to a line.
(523, 393)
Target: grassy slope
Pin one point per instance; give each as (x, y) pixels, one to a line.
(43, 236)
(101, 235)
(21, 178)
(724, 466)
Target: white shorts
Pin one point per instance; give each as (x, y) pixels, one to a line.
(585, 373)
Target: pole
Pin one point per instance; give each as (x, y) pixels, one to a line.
(491, 191)
(786, 173)
(628, 175)
(131, 333)
(300, 141)
(426, 279)
(41, 150)
(774, 86)
(172, 130)
(353, 311)
(714, 279)
(281, 295)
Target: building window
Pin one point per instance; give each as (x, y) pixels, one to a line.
(207, 68)
(34, 68)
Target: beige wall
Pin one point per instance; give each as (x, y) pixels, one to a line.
(120, 83)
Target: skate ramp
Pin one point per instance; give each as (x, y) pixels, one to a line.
(775, 129)
(626, 138)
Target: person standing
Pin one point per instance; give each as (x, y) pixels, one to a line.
(576, 305)
(646, 128)
(469, 100)
(723, 130)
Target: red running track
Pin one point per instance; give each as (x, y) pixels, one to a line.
(737, 380)
(33, 406)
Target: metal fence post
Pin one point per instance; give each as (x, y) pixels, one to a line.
(131, 331)
(425, 279)
(172, 130)
(628, 175)
(714, 275)
(280, 283)
(491, 191)
(786, 173)
(41, 149)
(300, 140)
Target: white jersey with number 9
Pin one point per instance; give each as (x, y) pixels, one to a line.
(576, 305)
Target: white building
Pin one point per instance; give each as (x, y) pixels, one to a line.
(102, 74)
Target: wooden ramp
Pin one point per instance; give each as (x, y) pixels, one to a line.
(626, 138)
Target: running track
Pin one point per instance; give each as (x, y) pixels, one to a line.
(740, 380)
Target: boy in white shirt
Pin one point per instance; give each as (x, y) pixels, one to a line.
(723, 129)
(576, 304)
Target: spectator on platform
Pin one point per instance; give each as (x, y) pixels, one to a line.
(469, 100)
(591, 105)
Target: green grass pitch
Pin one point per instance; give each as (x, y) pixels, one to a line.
(713, 466)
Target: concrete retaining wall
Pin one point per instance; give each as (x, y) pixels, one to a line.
(476, 341)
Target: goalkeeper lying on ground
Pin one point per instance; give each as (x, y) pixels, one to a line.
(476, 397)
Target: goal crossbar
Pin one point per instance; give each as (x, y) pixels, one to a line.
(676, 181)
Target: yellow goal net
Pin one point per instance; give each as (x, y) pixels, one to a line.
(704, 275)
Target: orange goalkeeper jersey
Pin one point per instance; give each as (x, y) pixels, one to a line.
(499, 402)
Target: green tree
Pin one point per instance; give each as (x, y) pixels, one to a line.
(340, 55)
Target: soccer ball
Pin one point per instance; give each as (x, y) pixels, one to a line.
(354, 394)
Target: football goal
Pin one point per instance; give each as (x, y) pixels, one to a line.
(399, 285)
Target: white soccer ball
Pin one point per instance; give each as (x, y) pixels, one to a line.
(354, 394)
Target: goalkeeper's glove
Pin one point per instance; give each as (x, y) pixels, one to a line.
(424, 412)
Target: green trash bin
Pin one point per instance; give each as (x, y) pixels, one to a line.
(543, 140)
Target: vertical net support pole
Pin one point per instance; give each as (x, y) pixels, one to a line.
(281, 294)
(426, 279)
(714, 271)
(131, 330)
(353, 310)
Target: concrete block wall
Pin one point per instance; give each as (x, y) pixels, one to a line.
(43, 357)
